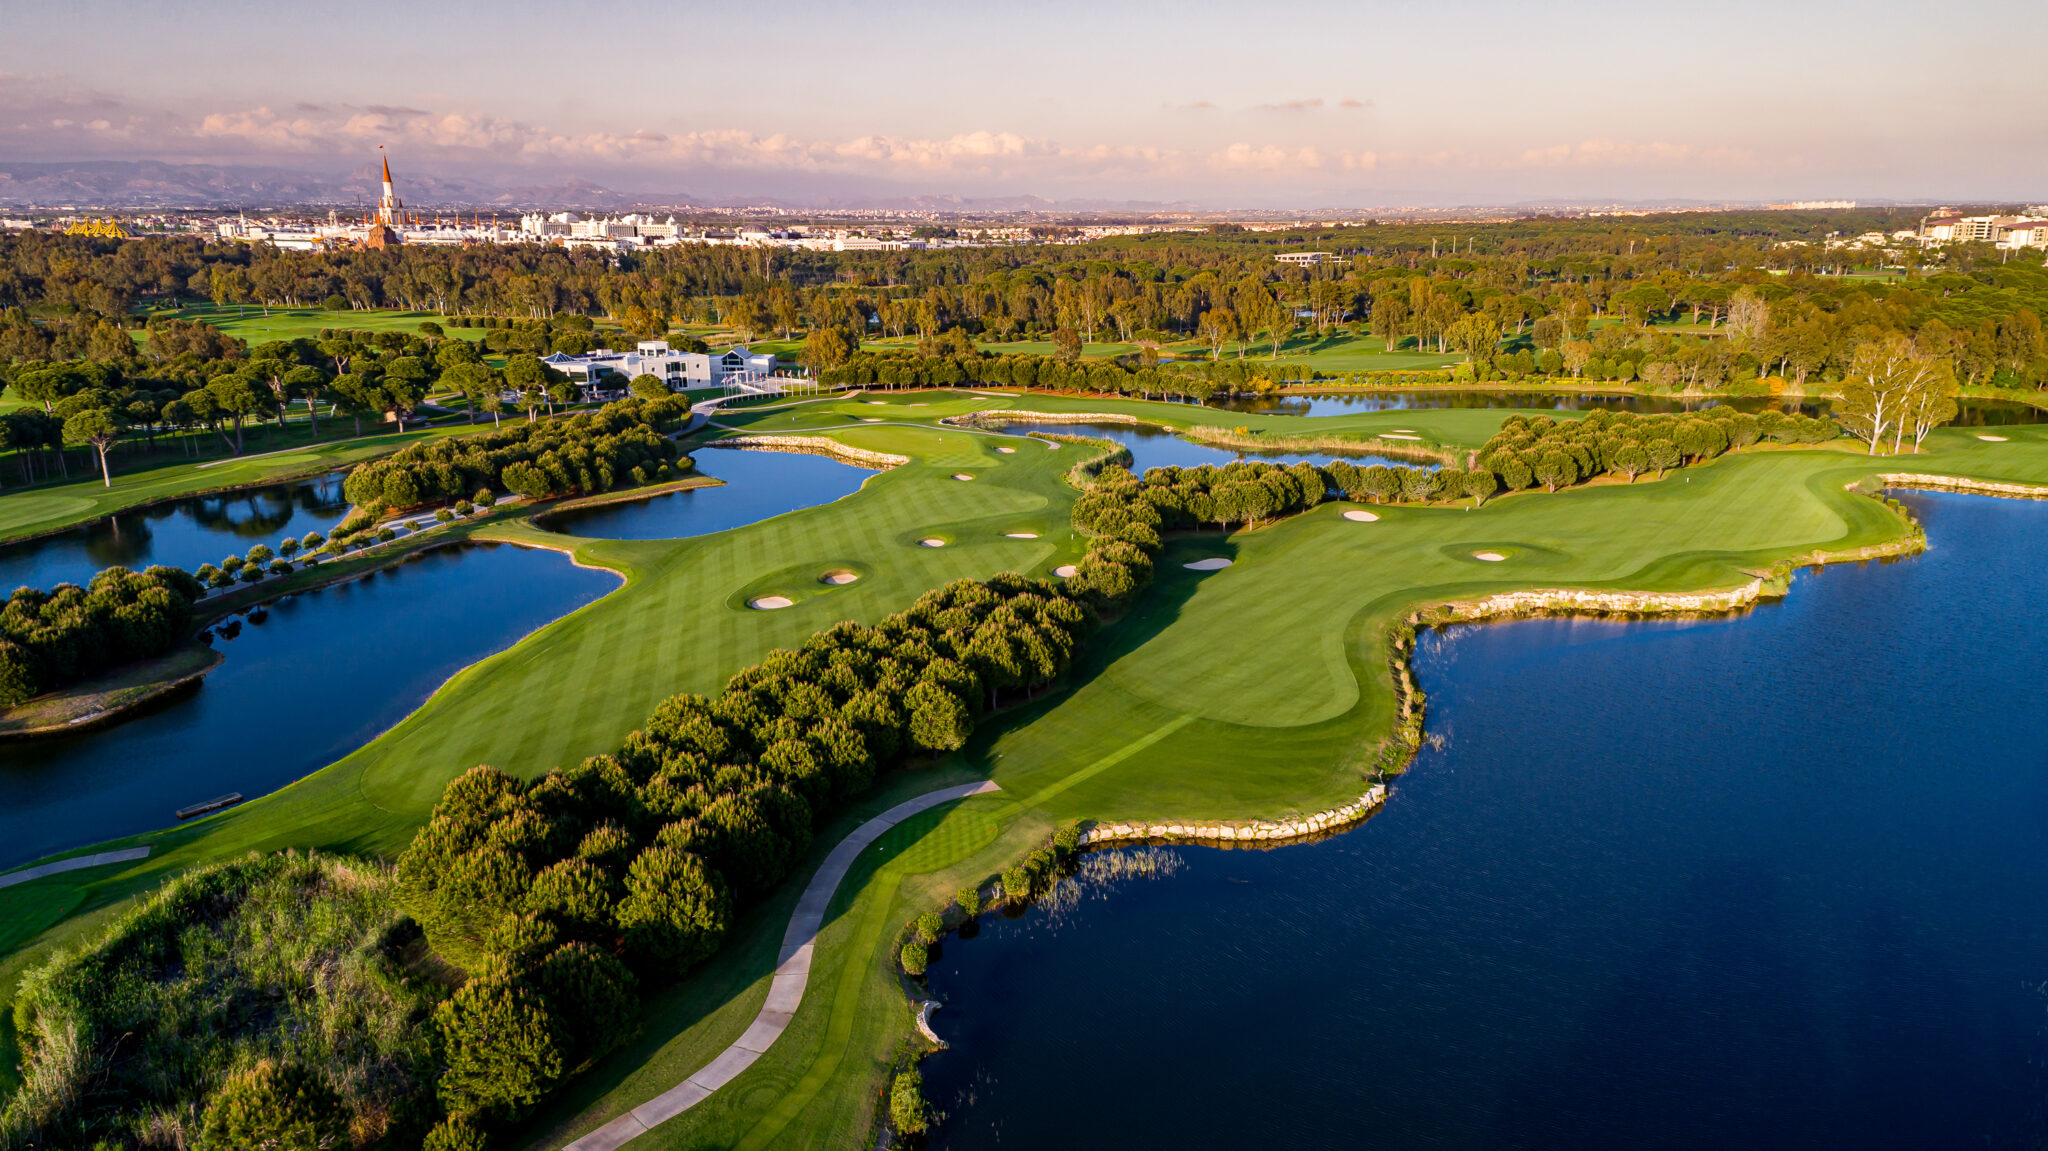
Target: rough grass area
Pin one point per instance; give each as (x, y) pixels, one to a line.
(289, 957)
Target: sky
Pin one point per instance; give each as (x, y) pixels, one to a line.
(1311, 104)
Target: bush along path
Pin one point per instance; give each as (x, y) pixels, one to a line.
(786, 991)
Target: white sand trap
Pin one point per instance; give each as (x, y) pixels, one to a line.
(838, 578)
(1008, 451)
(1992, 439)
(920, 405)
(1213, 563)
(1400, 429)
(1361, 516)
(871, 419)
(1020, 535)
(931, 542)
(1399, 436)
(879, 403)
(962, 476)
(1066, 571)
(1489, 557)
(770, 602)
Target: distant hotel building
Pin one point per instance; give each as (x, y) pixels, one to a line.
(2010, 232)
(609, 371)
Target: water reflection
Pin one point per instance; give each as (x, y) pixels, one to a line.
(306, 680)
(183, 532)
(1974, 412)
(758, 485)
(1153, 447)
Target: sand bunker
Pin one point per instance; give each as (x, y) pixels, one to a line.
(1020, 535)
(962, 476)
(879, 403)
(1066, 571)
(871, 419)
(1993, 439)
(1008, 451)
(1398, 436)
(1213, 563)
(1489, 557)
(770, 602)
(931, 542)
(1363, 517)
(838, 577)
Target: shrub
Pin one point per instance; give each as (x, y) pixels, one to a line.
(288, 547)
(250, 573)
(280, 567)
(593, 994)
(502, 1046)
(906, 1103)
(443, 515)
(931, 926)
(485, 497)
(386, 535)
(232, 564)
(455, 1134)
(969, 899)
(260, 554)
(464, 507)
(914, 957)
(274, 1105)
(1066, 839)
(1016, 884)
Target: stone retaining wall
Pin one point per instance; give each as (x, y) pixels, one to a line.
(1963, 484)
(1242, 830)
(1518, 603)
(813, 446)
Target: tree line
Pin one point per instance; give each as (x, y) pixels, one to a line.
(51, 639)
(1527, 451)
(584, 454)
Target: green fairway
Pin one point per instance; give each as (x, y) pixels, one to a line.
(1258, 690)
(259, 325)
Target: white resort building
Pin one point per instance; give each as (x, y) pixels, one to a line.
(604, 372)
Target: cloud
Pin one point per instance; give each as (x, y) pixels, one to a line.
(1289, 106)
(43, 118)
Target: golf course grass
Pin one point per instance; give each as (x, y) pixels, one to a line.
(1256, 690)
(259, 325)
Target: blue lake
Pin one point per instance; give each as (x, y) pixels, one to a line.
(1974, 413)
(1153, 447)
(1777, 881)
(182, 532)
(321, 675)
(758, 485)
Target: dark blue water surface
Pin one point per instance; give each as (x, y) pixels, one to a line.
(321, 675)
(1974, 413)
(183, 533)
(1778, 881)
(1153, 447)
(758, 485)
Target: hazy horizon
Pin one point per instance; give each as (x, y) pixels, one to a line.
(1469, 101)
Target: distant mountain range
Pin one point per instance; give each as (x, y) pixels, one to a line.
(131, 184)
(150, 184)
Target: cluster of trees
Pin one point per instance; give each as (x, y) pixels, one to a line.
(572, 890)
(1140, 376)
(585, 453)
(1539, 450)
(49, 639)
(262, 1003)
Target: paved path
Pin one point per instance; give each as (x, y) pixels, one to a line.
(785, 991)
(74, 864)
